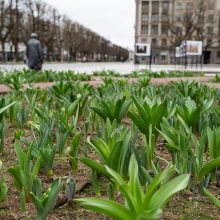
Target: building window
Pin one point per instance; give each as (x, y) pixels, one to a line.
(154, 30)
(210, 18)
(155, 7)
(165, 7)
(210, 30)
(154, 42)
(201, 20)
(154, 19)
(144, 29)
(164, 42)
(145, 7)
(209, 42)
(189, 5)
(144, 17)
(163, 57)
(164, 30)
(218, 55)
(165, 19)
(178, 18)
(178, 5)
(211, 5)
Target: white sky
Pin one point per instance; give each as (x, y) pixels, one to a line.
(113, 19)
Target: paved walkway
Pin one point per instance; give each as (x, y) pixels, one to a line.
(123, 68)
(96, 81)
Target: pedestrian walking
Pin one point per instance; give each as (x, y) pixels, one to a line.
(34, 53)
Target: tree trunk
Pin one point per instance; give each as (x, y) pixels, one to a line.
(3, 52)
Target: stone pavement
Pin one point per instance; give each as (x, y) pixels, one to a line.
(96, 81)
(123, 68)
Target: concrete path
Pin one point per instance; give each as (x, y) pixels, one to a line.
(124, 68)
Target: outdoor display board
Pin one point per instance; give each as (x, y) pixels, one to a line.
(193, 48)
(178, 52)
(143, 50)
(189, 48)
(189, 51)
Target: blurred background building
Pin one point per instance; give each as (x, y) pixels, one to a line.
(166, 23)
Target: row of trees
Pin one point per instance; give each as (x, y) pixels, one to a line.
(62, 39)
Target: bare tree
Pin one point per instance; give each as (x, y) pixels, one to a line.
(190, 23)
(6, 24)
(19, 18)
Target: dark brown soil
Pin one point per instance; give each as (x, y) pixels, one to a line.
(183, 206)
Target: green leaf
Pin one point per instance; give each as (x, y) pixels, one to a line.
(114, 158)
(107, 207)
(108, 107)
(101, 148)
(134, 182)
(75, 145)
(37, 167)
(124, 188)
(115, 176)
(151, 214)
(34, 125)
(124, 109)
(141, 110)
(207, 105)
(208, 168)
(117, 108)
(17, 178)
(47, 201)
(52, 196)
(139, 122)
(153, 187)
(212, 198)
(6, 107)
(20, 154)
(27, 162)
(3, 191)
(37, 187)
(161, 197)
(99, 112)
(73, 163)
(37, 203)
(73, 107)
(94, 166)
(22, 180)
(41, 114)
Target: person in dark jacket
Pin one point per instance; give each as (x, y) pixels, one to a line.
(34, 53)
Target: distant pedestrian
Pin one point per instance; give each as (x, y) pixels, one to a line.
(84, 59)
(34, 53)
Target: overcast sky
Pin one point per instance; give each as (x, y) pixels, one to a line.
(113, 19)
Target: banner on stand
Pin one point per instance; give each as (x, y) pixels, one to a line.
(194, 48)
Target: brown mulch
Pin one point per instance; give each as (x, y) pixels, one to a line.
(96, 81)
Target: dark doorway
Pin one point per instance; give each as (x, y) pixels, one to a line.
(207, 57)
